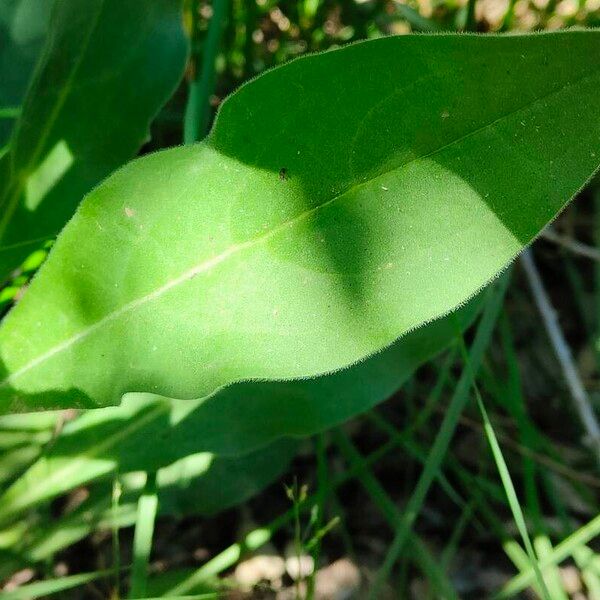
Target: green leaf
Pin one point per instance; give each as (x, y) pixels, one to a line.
(115, 439)
(105, 70)
(340, 201)
(207, 484)
(199, 484)
(23, 26)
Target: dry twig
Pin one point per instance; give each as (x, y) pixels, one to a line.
(563, 354)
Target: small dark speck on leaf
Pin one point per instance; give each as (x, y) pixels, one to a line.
(283, 174)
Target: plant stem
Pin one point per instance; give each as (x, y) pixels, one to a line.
(197, 112)
(470, 21)
(317, 521)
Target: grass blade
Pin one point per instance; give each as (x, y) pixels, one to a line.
(42, 589)
(560, 552)
(259, 537)
(442, 440)
(426, 563)
(10, 112)
(142, 539)
(509, 488)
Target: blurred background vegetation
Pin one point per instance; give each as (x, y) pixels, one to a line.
(255, 36)
(333, 501)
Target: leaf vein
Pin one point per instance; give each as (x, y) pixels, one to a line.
(214, 261)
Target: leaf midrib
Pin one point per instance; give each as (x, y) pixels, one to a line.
(236, 248)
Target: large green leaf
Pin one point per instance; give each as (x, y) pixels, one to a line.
(340, 201)
(104, 72)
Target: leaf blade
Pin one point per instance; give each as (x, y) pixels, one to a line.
(221, 269)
